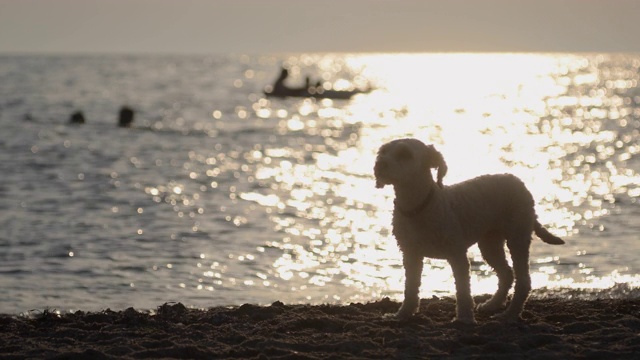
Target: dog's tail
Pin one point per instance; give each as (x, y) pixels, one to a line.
(545, 235)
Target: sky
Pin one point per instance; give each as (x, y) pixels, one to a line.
(276, 26)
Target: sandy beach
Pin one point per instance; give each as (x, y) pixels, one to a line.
(551, 328)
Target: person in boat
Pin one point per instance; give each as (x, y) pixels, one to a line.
(280, 89)
(279, 86)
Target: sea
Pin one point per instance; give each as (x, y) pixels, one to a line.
(218, 195)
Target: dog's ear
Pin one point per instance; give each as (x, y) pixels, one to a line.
(434, 160)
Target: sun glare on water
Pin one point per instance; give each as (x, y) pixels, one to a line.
(566, 125)
(220, 194)
(486, 114)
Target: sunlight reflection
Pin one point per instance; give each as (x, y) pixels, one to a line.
(494, 107)
(555, 122)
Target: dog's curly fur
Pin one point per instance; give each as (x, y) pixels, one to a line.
(437, 221)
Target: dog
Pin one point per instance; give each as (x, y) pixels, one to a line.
(437, 221)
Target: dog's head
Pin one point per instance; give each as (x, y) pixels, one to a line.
(404, 159)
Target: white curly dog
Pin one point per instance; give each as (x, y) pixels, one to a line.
(436, 221)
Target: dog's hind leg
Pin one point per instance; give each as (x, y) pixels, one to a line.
(413, 274)
(464, 301)
(519, 248)
(492, 250)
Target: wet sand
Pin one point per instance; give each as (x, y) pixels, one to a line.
(551, 328)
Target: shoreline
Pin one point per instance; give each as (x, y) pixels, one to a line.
(552, 327)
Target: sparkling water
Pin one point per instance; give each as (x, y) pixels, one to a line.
(218, 195)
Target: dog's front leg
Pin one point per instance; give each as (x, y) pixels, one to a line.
(464, 301)
(413, 274)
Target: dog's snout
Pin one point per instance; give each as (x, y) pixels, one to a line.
(380, 165)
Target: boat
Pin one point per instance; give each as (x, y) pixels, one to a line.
(280, 90)
(284, 92)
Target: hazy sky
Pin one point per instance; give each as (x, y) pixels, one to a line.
(271, 26)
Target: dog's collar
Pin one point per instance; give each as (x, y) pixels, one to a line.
(417, 210)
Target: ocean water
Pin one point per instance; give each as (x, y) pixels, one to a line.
(220, 196)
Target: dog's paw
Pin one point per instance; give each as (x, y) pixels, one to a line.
(489, 307)
(464, 320)
(403, 315)
(407, 309)
(507, 318)
(396, 316)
